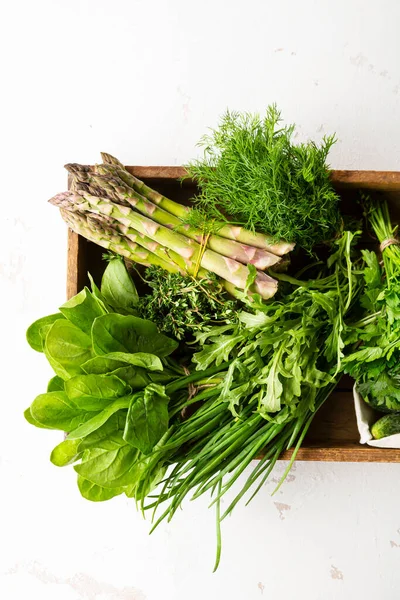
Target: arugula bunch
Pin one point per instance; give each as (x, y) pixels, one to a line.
(284, 361)
(376, 363)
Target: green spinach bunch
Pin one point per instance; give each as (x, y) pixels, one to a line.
(253, 173)
(110, 390)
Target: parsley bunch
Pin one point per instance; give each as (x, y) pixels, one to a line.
(375, 365)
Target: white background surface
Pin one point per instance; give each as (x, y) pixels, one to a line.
(143, 80)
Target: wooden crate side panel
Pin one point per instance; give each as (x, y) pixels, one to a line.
(367, 180)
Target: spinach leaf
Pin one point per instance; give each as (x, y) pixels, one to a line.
(114, 360)
(66, 453)
(108, 436)
(101, 365)
(82, 310)
(67, 348)
(56, 384)
(147, 419)
(118, 288)
(28, 416)
(147, 361)
(111, 468)
(127, 334)
(55, 410)
(35, 334)
(96, 493)
(96, 386)
(135, 377)
(98, 295)
(91, 424)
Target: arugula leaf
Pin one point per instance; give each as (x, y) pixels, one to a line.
(217, 352)
(127, 334)
(35, 334)
(366, 354)
(147, 418)
(251, 277)
(270, 401)
(118, 289)
(83, 309)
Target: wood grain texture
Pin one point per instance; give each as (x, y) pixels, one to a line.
(333, 435)
(346, 452)
(368, 180)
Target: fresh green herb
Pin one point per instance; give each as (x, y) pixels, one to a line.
(182, 306)
(375, 364)
(253, 172)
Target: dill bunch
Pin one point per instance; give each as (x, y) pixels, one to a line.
(253, 174)
(182, 306)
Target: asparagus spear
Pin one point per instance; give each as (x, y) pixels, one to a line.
(114, 188)
(145, 242)
(240, 234)
(107, 238)
(225, 267)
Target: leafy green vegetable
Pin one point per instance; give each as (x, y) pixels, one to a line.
(82, 310)
(35, 334)
(66, 453)
(56, 384)
(28, 417)
(100, 365)
(96, 493)
(56, 411)
(108, 436)
(147, 361)
(110, 469)
(182, 306)
(127, 334)
(91, 424)
(253, 172)
(96, 386)
(147, 419)
(67, 348)
(375, 364)
(118, 289)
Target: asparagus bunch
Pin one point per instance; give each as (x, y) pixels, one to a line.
(111, 207)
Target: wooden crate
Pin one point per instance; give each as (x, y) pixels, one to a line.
(333, 435)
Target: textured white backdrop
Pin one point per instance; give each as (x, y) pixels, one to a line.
(143, 80)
